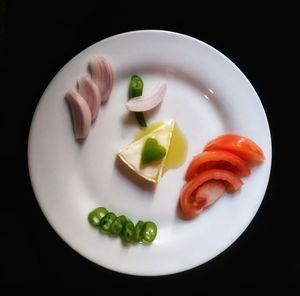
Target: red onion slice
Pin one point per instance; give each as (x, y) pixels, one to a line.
(90, 92)
(102, 75)
(147, 102)
(81, 114)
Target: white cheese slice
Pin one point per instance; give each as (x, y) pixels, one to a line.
(131, 154)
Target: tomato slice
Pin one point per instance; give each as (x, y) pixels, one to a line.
(194, 198)
(210, 192)
(218, 159)
(239, 145)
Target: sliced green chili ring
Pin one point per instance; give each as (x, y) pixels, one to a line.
(127, 233)
(136, 90)
(117, 226)
(149, 232)
(96, 215)
(137, 234)
(107, 221)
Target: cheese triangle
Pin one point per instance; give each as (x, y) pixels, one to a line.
(131, 154)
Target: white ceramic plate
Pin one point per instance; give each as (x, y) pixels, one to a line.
(207, 96)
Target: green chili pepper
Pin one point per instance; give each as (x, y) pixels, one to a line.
(107, 221)
(152, 151)
(96, 215)
(117, 226)
(127, 233)
(149, 232)
(136, 90)
(137, 234)
(121, 226)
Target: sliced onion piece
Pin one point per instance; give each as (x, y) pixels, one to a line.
(81, 114)
(102, 74)
(148, 102)
(90, 92)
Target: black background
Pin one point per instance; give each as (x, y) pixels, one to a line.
(37, 39)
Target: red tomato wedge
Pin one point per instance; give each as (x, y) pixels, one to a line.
(200, 192)
(210, 191)
(218, 159)
(239, 145)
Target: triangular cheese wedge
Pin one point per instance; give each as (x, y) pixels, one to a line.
(131, 154)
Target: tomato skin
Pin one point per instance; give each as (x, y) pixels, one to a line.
(238, 145)
(190, 205)
(217, 159)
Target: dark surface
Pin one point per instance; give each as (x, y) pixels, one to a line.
(39, 39)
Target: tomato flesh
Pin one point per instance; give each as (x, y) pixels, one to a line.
(210, 191)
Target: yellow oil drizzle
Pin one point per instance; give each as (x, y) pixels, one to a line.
(178, 146)
(177, 150)
(145, 131)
